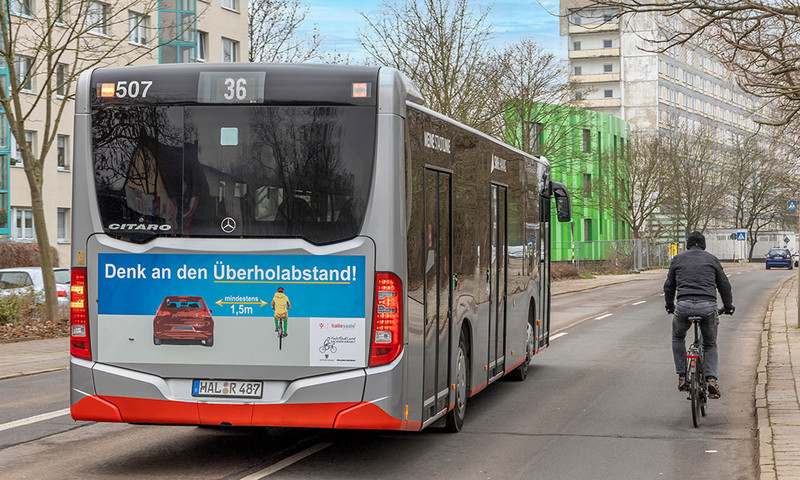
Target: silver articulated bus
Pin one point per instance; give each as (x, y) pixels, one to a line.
(296, 245)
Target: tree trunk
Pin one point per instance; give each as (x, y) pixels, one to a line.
(45, 259)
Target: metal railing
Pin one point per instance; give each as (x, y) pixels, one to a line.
(613, 255)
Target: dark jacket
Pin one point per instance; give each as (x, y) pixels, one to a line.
(698, 274)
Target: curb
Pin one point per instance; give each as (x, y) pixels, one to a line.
(37, 372)
(766, 451)
(595, 287)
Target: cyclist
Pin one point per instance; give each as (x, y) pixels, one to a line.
(696, 275)
(280, 303)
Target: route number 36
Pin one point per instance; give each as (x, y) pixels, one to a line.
(236, 89)
(133, 89)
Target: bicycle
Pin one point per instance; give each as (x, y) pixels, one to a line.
(281, 333)
(695, 378)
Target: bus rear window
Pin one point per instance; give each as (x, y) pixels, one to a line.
(233, 171)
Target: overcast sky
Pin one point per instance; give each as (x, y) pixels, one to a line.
(339, 21)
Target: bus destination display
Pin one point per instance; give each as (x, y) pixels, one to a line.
(231, 87)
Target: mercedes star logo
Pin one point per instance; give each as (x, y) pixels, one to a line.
(228, 225)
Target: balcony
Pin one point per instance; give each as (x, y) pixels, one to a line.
(595, 78)
(597, 103)
(594, 53)
(595, 28)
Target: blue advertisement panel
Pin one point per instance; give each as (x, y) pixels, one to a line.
(190, 302)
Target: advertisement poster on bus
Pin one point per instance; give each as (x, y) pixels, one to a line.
(271, 310)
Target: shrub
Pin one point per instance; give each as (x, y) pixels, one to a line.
(22, 254)
(16, 308)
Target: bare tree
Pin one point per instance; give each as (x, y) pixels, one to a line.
(694, 180)
(443, 46)
(634, 183)
(759, 40)
(45, 50)
(275, 34)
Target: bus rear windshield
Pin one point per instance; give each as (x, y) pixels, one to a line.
(233, 171)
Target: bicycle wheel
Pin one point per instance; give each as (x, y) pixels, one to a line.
(703, 389)
(695, 395)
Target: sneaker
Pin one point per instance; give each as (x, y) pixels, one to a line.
(682, 385)
(713, 388)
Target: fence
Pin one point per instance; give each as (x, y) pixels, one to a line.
(611, 255)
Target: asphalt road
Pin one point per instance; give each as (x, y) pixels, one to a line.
(600, 403)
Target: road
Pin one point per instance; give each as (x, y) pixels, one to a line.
(600, 403)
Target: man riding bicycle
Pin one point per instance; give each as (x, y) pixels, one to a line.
(696, 275)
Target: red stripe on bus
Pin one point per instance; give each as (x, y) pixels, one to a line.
(94, 408)
(352, 415)
(478, 388)
(367, 415)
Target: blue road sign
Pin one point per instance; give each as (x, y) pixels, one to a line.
(791, 205)
(740, 236)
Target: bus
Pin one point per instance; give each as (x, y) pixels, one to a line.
(297, 246)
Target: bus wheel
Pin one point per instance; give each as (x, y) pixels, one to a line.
(455, 417)
(521, 373)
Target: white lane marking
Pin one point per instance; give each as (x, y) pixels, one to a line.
(639, 303)
(287, 462)
(728, 275)
(711, 451)
(34, 419)
(603, 316)
(660, 294)
(557, 335)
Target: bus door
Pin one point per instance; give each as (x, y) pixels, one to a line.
(497, 281)
(543, 319)
(438, 290)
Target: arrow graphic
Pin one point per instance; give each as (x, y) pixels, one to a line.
(260, 303)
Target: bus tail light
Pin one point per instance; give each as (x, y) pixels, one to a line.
(387, 320)
(79, 316)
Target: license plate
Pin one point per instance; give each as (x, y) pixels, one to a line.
(227, 388)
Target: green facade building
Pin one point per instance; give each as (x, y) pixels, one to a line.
(583, 147)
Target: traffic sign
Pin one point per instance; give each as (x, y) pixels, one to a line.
(740, 236)
(791, 205)
(733, 236)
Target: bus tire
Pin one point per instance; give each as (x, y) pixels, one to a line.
(520, 373)
(455, 417)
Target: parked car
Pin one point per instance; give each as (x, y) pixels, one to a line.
(779, 257)
(183, 319)
(21, 280)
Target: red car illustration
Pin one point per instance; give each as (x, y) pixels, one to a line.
(183, 319)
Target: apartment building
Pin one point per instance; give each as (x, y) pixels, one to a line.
(621, 74)
(167, 31)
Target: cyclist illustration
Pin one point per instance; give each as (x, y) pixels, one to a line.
(281, 305)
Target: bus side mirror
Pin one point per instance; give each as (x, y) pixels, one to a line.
(563, 205)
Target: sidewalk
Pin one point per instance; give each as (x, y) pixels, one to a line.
(29, 357)
(778, 388)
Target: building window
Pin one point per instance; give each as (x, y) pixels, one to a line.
(24, 67)
(230, 50)
(3, 133)
(535, 131)
(23, 224)
(97, 18)
(137, 28)
(587, 229)
(607, 43)
(587, 185)
(608, 18)
(231, 4)
(587, 140)
(22, 7)
(61, 79)
(607, 68)
(63, 221)
(608, 93)
(578, 70)
(578, 95)
(576, 45)
(202, 46)
(62, 149)
(30, 140)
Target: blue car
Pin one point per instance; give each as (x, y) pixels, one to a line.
(779, 257)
